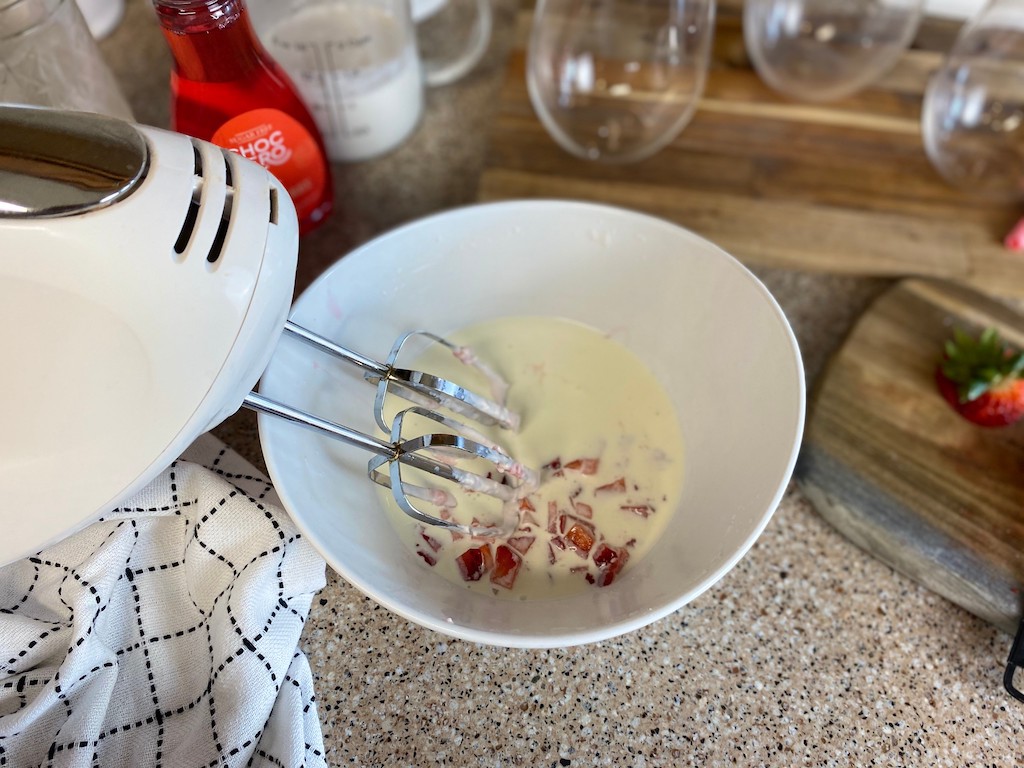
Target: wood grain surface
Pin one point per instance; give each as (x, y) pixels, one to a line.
(895, 469)
(843, 187)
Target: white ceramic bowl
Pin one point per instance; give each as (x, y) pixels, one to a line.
(706, 327)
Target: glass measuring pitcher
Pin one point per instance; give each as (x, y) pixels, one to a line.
(357, 66)
(48, 58)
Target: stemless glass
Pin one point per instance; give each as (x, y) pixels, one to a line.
(617, 80)
(973, 114)
(822, 50)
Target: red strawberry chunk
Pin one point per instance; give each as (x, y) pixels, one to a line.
(554, 467)
(640, 510)
(615, 486)
(581, 538)
(565, 522)
(474, 563)
(506, 567)
(555, 546)
(525, 505)
(552, 517)
(433, 543)
(521, 544)
(584, 466)
(583, 510)
(428, 559)
(609, 560)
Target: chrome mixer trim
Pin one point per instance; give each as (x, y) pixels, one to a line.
(55, 163)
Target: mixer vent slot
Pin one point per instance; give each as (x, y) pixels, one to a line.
(217, 246)
(273, 205)
(192, 215)
(189, 225)
(227, 168)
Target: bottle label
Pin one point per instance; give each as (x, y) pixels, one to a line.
(283, 146)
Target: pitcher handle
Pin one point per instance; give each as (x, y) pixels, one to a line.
(438, 73)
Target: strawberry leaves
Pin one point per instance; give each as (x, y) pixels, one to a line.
(978, 366)
(982, 378)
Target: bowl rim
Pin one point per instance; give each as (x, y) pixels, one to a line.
(604, 631)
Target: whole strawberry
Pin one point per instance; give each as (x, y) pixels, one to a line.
(982, 378)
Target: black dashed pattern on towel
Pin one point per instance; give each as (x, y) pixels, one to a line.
(166, 634)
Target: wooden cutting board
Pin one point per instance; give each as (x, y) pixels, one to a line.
(843, 187)
(896, 470)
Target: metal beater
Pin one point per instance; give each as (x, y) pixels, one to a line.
(435, 453)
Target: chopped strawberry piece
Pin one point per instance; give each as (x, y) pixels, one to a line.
(521, 544)
(590, 577)
(552, 517)
(433, 543)
(506, 567)
(585, 466)
(579, 569)
(581, 538)
(583, 510)
(429, 559)
(610, 560)
(474, 563)
(554, 467)
(555, 546)
(528, 518)
(616, 486)
(565, 522)
(525, 505)
(640, 510)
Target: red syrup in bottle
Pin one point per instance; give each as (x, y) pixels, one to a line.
(226, 89)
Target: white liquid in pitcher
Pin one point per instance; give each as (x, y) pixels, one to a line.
(608, 433)
(357, 68)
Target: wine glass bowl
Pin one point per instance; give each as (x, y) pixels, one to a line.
(972, 119)
(616, 81)
(823, 50)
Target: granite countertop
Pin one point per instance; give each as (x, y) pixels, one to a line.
(809, 652)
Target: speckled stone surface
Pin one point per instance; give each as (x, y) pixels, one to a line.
(809, 653)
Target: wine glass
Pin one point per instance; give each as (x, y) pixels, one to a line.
(822, 50)
(617, 80)
(972, 119)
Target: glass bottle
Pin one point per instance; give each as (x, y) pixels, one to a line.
(226, 88)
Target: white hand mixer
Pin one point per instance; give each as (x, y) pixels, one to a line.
(145, 278)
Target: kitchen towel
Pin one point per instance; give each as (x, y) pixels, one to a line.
(167, 633)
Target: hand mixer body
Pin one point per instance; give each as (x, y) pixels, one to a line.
(131, 326)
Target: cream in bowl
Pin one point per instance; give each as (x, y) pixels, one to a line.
(711, 465)
(605, 437)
